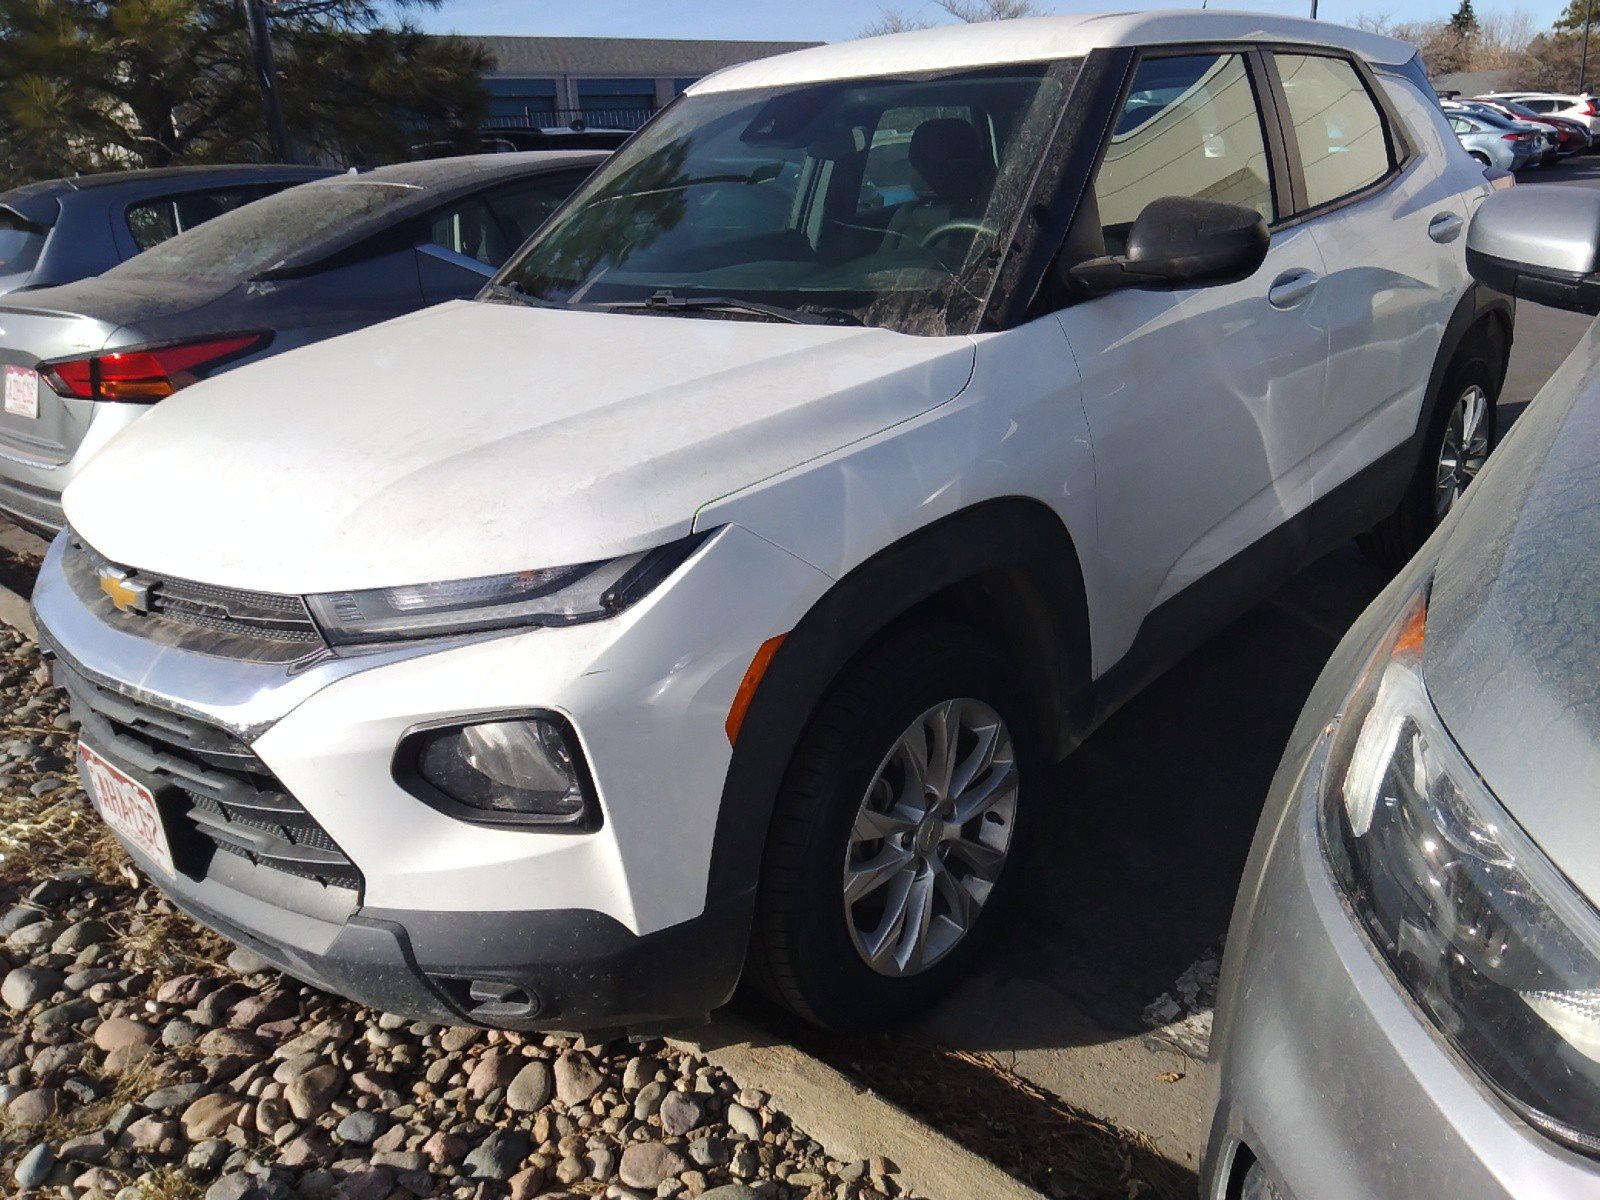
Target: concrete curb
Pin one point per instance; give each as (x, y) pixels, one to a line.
(850, 1121)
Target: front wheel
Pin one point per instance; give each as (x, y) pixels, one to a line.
(893, 830)
(1454, 450)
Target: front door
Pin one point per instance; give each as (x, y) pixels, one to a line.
(1202, 403)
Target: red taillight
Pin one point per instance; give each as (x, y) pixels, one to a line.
(1589, 110)
(146, 374)
(1511, 137)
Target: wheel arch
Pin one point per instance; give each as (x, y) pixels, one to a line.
(1483, 313)
(1007, 568)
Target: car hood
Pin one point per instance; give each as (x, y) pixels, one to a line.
(1513, 641)
(474, 438)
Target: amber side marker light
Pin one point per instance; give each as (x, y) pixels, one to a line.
(747, 685)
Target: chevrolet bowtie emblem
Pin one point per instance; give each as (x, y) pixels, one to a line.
(125, 594)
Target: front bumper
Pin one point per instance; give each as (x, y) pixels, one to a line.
(449, 920)
(1329, 1077)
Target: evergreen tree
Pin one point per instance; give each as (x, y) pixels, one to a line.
(1464, 24)
(93, 84)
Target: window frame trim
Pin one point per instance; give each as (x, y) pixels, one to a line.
(1401, 152)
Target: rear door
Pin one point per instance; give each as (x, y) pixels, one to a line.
(1202, 402)
(1385, 202)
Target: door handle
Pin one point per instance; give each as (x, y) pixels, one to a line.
(1291, 287)
(1445, 227)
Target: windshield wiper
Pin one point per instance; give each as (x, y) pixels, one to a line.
(514, 293)
(666, 301)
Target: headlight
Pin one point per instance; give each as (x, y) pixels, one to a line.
(1491, 941)
(553, 596)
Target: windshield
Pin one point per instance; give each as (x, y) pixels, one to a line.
(20, 244)
(877, 201)
(258, 236)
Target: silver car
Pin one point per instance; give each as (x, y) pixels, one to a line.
(1495, 141)
(1410, 1001)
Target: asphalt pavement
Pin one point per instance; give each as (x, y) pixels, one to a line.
(1143, 839)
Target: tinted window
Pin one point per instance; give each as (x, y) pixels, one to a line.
(488, 228)
(757, 195)
(154, 221)
(1343, 146)
(258, 236)
(1191, 127)
(1541, 106)
(523, 207)
(19, 245)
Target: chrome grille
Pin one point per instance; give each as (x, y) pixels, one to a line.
(215, 793)
(218, 621)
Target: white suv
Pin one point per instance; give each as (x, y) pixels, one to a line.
(713, 594)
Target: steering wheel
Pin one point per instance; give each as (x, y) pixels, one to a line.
(959, 225)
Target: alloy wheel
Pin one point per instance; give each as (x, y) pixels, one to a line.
(930, 837)
(1465, 448)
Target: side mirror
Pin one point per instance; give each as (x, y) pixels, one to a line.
(1181, 241)
(1540, 244)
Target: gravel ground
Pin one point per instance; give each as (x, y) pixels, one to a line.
(142, 1058)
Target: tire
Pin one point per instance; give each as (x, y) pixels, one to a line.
(1481, 157)
(811, 945)
(1393, 541)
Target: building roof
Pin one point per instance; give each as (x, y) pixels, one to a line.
(1038, 39)
(654, 57)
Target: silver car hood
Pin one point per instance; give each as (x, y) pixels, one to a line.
(1513, 642)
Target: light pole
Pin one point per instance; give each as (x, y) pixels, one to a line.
(267, 77)
(1313, 10)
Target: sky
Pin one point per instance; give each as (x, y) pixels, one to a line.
(834, 20)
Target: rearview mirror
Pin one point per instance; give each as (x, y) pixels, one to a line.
(1180, 241)
(1540, 244)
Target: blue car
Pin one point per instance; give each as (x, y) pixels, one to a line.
(62, 230)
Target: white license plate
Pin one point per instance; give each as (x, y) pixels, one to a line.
(127, 806)
(22, 392)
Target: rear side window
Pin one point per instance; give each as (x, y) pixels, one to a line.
(20, 244)
(154, 221)
(1343, 144)
(1191, 126)
(1540, 106)
(489, 227)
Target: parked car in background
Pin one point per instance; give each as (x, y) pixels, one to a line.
(1582, 109)
(84, 360)
(61, 230)
(1408, 999)
(1574, 134)
(740, 560)
(1544, 145)
(1491, 145)
(516, 138)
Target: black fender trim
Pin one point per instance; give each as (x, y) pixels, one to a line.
(1014, 553)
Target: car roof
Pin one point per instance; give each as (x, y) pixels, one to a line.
(34, 202)
(1040, 39)
(468, 170)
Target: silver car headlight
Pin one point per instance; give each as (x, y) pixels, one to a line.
(1491, 941)
(553, 596)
